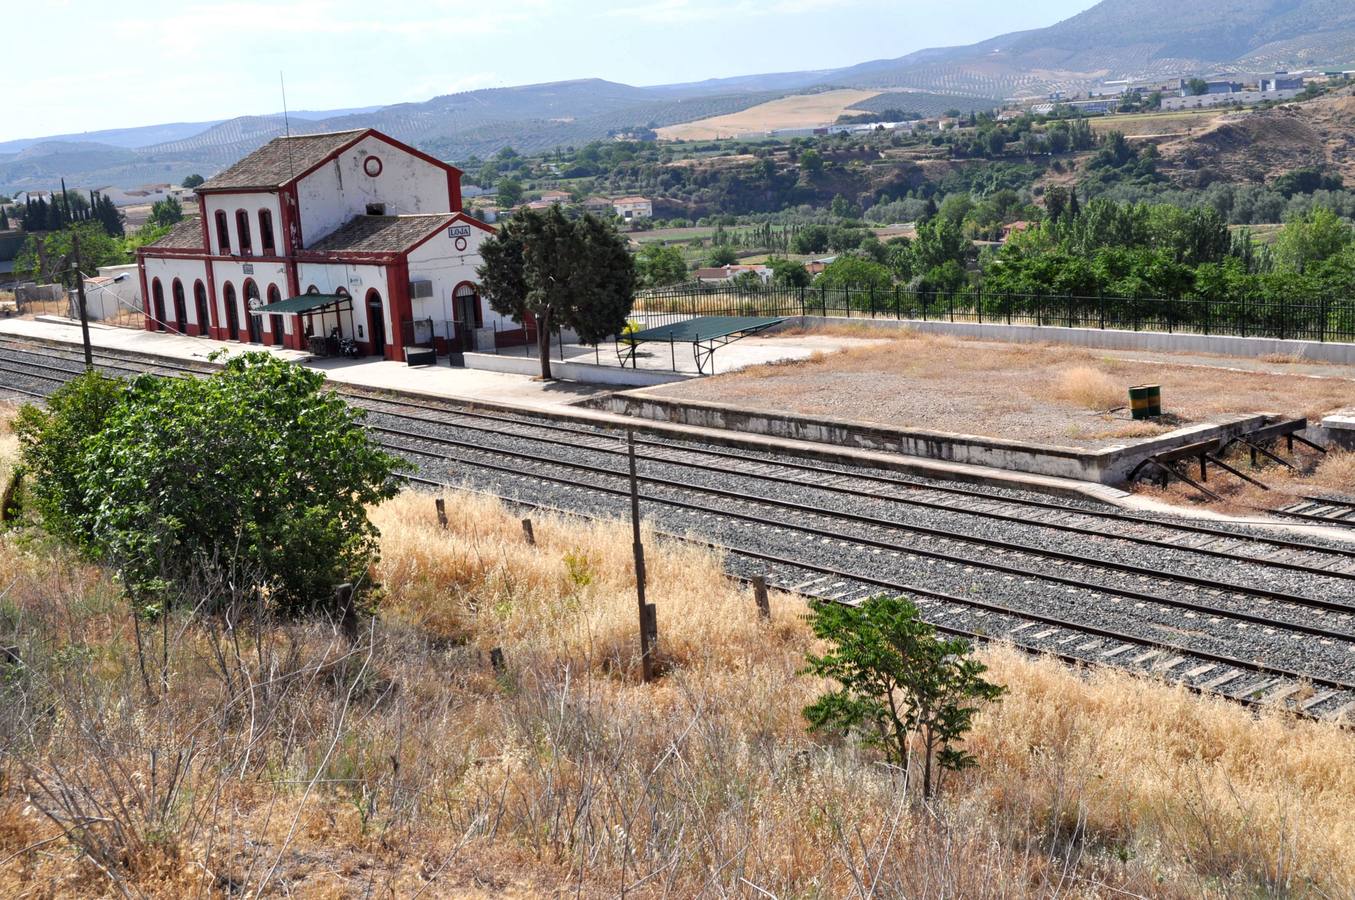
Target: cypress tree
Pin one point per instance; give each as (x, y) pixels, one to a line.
(4, 219)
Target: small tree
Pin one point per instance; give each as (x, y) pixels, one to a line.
(165, 212)
(657, 265)
(193, 181)
(900, 687)
(562, 273)
(508, 192)
(722, 255)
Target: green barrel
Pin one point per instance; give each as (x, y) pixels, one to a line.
(1145, 401)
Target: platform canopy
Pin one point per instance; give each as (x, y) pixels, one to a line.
(706, 334)
(704, 328)
(303, 304)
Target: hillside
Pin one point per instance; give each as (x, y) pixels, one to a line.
(1114, 39)
(1265, 144)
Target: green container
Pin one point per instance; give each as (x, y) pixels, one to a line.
(1145, 401)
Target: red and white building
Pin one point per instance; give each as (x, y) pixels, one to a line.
(352, 231)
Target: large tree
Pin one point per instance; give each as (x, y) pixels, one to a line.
(560, 273)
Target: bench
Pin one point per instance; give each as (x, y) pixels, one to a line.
(421, 356)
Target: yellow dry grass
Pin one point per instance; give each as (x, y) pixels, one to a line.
(406, 763)
(800, 111)
(1089, 387)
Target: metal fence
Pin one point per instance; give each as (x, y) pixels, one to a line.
(1325, 320)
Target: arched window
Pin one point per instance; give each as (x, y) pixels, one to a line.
(200, 307)
(158, 304)
(232, 312)
(180, 307)
(223, 233)
(275, 326)
(242, 233)
(253, 321)
(267, 246)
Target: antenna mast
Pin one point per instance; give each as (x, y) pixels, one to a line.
(286, 123)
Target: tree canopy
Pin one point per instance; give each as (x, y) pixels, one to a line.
(558, 272)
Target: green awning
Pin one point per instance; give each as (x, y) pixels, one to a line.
(303, 304)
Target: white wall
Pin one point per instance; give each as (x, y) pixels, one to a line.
(251, 203)
(439, 261)
(327, 278)
(237, 273)
(167, 269)
(341, 189)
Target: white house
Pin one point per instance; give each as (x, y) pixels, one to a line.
(353, 234)
(630, 208)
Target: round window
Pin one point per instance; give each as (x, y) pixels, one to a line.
(372, 166)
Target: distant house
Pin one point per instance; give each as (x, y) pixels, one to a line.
(557, 196)
(146, 195)
(598, 206)
(815, 267)
(724, 274)
(630, 208)
(1282, 82)
(1016, 227)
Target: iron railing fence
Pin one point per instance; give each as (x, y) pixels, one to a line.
(1320, 320)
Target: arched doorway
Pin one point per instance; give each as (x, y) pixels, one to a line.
(275, 326)
(466, 314)
(158, 304)
(180, 307)
(232, 312)
(253, 321)
(376, 324)
(200, 304)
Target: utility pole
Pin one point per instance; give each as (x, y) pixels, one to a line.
(80, 300)
(648, 614)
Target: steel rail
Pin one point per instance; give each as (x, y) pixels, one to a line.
(907, 501)
(1006, 546)
(903, 588)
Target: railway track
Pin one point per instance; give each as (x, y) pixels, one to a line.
(1097, 586)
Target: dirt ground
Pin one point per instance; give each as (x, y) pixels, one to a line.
(805, 111)
(1054, 395)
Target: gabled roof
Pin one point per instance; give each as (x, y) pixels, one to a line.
(185, 234)
(280, 160)
(283, 160)
(381, 234)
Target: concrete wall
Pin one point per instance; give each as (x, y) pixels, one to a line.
(1109, 465)
(1111, 339)
(587, 373)
(340, 190)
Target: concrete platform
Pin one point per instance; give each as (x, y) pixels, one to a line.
(515, 393)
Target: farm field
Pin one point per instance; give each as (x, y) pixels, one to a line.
(1042, 393)
(1158, 123)
(800, 111)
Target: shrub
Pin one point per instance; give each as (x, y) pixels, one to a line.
(1091, 388)
(52, 442)
(900, 687)
(251, 476)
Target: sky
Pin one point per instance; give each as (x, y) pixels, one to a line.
(144, 62)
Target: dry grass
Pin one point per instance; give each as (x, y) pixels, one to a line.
(1034, 392)
(800, 111)
(282, 760)
(1090, 388)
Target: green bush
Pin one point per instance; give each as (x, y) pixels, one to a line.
(250, 479)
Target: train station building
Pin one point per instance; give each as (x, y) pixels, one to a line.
(319, 238)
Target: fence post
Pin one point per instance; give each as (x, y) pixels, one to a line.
(978, 303)
(950, 304)
(1008, 302)
(441, 505)
(802, 301)
(1322, 322)
(528, 532)
(872, 301)
(897, 312)
(764, 606)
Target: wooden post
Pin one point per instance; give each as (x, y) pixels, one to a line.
(648, 618)
(764, 606)
(496, 660)
(80, 300)
(528, 533)
(343, 601)
(442, 512)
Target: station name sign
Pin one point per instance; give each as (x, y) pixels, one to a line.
(458, 231)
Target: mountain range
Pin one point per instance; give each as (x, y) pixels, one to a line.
(1115, 39)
